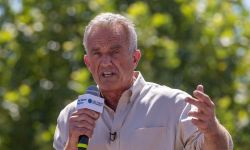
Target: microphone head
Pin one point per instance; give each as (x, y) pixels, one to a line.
(91, 100)
(93, 90)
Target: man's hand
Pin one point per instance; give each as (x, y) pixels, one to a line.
(216, 136)
(81, 122)
(204, 118)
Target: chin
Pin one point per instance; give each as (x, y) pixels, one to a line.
(107, 87)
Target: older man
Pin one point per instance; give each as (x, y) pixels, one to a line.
(143, 115)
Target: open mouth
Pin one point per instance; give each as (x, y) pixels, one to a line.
(107, 74)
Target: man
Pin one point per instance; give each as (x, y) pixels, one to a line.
(140, 115)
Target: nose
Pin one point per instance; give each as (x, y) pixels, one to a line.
(106, 60)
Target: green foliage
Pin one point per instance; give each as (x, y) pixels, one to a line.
(184, 43)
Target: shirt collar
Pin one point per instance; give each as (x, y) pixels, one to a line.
(130, 94)
(137, 86)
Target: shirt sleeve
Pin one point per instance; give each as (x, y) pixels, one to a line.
(62, 128)
(187, 134)
(191, 137)
(61, 132)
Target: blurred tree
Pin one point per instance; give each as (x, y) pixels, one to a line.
(184, 43)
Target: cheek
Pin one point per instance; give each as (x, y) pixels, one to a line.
(127, 66)
(92, 67)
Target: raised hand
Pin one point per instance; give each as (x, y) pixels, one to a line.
(204, 118)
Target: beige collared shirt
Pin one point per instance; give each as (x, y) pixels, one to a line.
(148, 117)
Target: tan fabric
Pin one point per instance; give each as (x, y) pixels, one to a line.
(148, 117)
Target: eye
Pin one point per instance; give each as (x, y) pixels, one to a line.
(114, 52)
(115, 49)
(96, 53)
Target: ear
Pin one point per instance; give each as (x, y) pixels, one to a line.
(86, 61)
(136, 57)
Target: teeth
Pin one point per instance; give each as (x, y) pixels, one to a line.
(107, 74)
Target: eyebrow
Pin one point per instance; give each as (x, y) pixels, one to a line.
(94, 49)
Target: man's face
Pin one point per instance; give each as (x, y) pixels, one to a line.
(109, 59)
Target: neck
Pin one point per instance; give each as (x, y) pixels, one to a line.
(112, 97)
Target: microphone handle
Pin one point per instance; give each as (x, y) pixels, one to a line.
(83, 142)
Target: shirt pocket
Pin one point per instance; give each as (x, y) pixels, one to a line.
(154, 138)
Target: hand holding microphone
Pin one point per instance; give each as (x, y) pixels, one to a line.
(82, 123)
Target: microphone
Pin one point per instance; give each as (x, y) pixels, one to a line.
(91, 100)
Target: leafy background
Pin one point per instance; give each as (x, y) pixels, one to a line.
(184, 43)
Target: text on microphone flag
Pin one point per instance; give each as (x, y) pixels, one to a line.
(91, 102)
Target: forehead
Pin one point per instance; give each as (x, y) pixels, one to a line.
(106, 34)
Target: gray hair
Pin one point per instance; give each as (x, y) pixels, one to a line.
(111, 19)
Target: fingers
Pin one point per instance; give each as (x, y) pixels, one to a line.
(204, 119)
(203, 97)
(88, 112)
(201, 116)
(82, 122)
(200, 88)
(199, 104)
